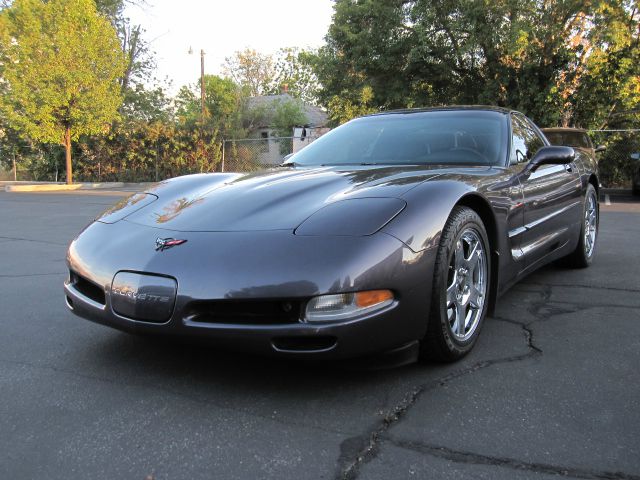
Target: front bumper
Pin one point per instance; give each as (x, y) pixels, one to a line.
(259, 266)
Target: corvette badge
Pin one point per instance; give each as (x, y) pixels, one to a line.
(164, 243)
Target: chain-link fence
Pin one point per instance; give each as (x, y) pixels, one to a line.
(240, 155)
(154, 164)
(618, 162)
(90, 173)
(250, 154)
(28, 175)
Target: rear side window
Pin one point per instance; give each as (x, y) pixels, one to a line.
(570, 139)
(525, 141)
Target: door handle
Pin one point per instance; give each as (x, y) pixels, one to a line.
(568, 167)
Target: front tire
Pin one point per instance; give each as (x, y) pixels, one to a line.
(460, 288)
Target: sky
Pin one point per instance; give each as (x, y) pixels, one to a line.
(222, 27)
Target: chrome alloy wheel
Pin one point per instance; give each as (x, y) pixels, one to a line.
(590, 224)
(466, 285)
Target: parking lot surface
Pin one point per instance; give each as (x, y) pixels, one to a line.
(551, 389)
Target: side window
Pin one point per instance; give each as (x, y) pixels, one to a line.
(525, 140)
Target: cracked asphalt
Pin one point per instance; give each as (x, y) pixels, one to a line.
(552, 388)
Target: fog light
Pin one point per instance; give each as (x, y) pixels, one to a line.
(346, 305)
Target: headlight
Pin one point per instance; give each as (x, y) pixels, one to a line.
(354, 217)
(126, 207)
(326, 308)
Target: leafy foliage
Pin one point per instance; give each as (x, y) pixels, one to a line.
(294, 73)
(342, 108)
(290, 70)
(545, 58)
(286, 115)
(252, 70)
(85, 65)
(224, 103)
(61, 63)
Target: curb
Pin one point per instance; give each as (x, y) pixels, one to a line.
(618, 191)
(59, 187)
(41, 188)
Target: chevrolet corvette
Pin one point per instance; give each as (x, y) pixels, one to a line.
(394, 233)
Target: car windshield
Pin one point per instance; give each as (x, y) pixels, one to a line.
(460, 137)
(569, 139)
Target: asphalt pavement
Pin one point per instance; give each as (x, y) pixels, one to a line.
(552, 388)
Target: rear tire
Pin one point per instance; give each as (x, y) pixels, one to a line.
(582, 256)
(460, 290)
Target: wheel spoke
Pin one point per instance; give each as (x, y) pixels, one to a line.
(473, 250)
(451, 294)
(459, 255)
(476, 297)
(474, 259)
(461, 316)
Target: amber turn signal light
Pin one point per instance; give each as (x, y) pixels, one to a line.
(372, 297)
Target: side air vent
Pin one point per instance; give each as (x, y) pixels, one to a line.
(87, 288)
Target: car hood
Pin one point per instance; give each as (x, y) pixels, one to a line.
(272, 200)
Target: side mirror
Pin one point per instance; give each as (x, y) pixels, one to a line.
(286, 162)
(553, 155)
(600, 148)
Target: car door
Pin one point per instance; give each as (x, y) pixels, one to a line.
(552, 195)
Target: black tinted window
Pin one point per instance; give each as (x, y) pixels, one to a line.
(569, 139)
(439, 137)
(525, 140)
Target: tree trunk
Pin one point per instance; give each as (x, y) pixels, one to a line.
(67, 151)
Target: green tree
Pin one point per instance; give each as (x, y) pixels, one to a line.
(342, 108)
(141, 103)
(608, 94)
(62, 61)
(567, 62)
(252, 70)
(291, 69)
(294, 73)
(139, 100)
(286, 115)
(224, 102)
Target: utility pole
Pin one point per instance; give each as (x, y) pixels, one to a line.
(202, 83)
(202, 98)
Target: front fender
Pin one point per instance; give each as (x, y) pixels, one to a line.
(429, 205)
(197, 182)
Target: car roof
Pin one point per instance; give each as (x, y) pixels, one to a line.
(563, 129)
(444, 108)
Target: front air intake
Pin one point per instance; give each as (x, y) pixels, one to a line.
(244, 312)
(87, 288)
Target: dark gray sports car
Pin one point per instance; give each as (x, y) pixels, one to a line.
(395, 233)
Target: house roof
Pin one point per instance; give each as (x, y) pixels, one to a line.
(316, 117)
